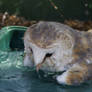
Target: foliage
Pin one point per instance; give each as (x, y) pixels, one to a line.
(55, 10)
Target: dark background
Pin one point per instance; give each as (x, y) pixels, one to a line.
(44, 10)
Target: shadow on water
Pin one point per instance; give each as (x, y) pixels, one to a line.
(14, 79)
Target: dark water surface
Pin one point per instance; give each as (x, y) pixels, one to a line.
(16, 78)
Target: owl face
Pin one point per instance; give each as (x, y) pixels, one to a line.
(46, 38)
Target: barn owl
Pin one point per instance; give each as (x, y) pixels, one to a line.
(56, 47)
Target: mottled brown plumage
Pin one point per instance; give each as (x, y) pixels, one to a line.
(70, 50)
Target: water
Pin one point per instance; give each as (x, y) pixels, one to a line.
(14, 77)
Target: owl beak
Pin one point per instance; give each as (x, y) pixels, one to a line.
(39, 56)
(38, 67)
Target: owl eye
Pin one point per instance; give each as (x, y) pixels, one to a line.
(31, 50)
(49, 54)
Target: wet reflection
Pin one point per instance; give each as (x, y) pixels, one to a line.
(16, 78)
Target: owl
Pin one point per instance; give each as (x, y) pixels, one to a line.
(56, 47)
